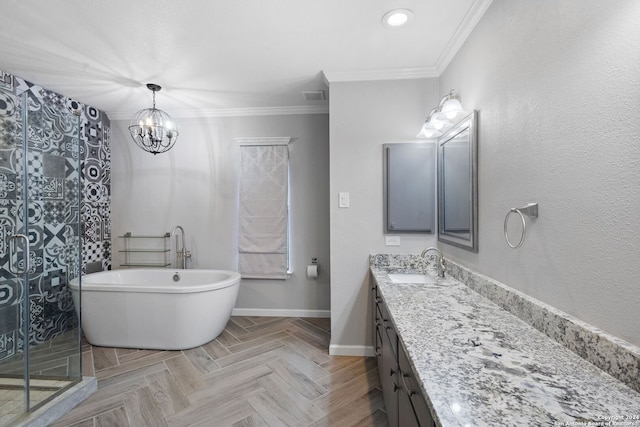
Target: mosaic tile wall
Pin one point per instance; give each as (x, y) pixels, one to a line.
(60, 149)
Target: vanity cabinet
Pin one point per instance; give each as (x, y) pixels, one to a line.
(412, 407)
(386, 351)
(403, 400)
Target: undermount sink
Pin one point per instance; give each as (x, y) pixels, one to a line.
(412, 278)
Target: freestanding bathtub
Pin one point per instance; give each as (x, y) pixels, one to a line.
(155, 308)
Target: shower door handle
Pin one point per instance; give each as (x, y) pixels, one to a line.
(12, 242)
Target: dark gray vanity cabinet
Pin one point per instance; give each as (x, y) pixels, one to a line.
(412, 407)
(403, 400)
(386, 350)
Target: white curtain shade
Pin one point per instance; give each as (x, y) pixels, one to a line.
(263, 235)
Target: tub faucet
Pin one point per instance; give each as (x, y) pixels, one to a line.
(182, 254)
(439, 260)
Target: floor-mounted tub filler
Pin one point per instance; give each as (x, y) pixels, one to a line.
(155, 308)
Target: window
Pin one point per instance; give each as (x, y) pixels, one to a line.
(263, 249)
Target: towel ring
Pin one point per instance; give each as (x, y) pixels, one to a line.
(530, 210)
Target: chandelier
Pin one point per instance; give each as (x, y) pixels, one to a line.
(153, 130)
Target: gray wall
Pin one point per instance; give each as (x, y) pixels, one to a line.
(363, 116)
(195, 185)
(557, 87)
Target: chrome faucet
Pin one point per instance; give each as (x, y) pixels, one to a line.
(182, 254)
(439, 260)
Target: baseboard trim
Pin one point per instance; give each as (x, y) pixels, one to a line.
(351, 350)
(270, 312)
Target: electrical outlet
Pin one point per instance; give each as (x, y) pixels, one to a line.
(392, 240)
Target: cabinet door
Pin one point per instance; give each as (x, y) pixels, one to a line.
(378, 328)
(379, 343)
(389, 331)
(388, 371)
(412, 407)
(377, 321)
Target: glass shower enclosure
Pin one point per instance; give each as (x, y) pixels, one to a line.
(40, 246)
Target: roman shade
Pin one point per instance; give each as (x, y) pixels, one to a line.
(263, 250)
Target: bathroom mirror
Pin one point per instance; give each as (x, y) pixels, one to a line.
(458, 185)
(409, 187)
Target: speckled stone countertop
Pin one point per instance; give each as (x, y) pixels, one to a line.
(479, 365)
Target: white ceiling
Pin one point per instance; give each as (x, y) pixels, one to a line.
(215, 57)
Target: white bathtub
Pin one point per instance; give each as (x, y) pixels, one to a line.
(146, 308)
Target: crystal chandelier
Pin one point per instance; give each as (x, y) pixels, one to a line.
(153, 130)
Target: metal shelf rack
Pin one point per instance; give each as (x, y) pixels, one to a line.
(145, 251)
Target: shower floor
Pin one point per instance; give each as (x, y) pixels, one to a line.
(52, 364)
(12, 395)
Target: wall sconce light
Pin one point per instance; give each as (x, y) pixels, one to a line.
(153, 130)
(448, 112)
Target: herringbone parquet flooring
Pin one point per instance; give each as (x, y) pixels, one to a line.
(261, 371)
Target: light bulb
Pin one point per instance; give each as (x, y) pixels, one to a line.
(428, 132)
(437, 124)
(450, 110)
(397, 18)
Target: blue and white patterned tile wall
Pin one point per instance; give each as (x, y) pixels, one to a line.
(60, 149)
(95, 135)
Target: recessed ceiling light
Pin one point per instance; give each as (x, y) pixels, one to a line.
(397, 18)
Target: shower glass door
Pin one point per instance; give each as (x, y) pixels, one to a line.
(40, 351)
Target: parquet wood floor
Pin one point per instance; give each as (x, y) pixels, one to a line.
(261, 371)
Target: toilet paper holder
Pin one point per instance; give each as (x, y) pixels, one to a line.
(312, 269)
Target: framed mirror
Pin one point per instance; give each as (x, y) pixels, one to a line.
(458, 184)
(409, 187)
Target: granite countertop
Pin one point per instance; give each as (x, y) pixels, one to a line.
(479, 365)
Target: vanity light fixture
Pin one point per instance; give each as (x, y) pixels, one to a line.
(428, 129)
(153, 130)
(452, 108)
(397, 18)
(448, 112)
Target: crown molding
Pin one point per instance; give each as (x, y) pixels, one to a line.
(380, 74)
(233, 112)
(469, 22)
